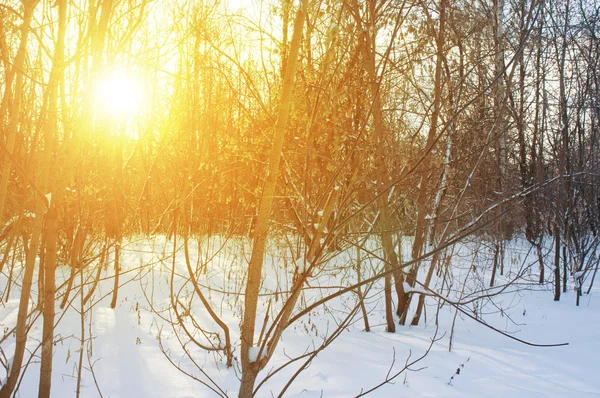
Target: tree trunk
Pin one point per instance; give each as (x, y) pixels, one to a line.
(500, 102)
(363, 309)
(495, 262)
(51, 235)
(250, 369)
(423, 196)
(565, 267)
(113, 303)
(75, 261)
(538, 247)
(369, 46)
(563, 150)
(556, 262)
(421, 302)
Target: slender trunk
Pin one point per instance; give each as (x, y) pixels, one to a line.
(65, 299)
(113, 303)
(500, 102)
(82, 331)
(423, 196)
(538, 247)
(118, 213)
(363, 309)
(524, 167)
(562, 166)
(286, 8)
(385, 225)
(41, 274)
(421, 302)
(391, 260)
(399, 276)
(578, 275)
(556, 262)
(432, 266)
(101, 262)
(500, 128)
(501, 256)
(75, 261)
(250, 369)
(495, 263)
(51, 234)
(49, 303)
(565, 266)
(536, 172)
(589, 289)
(436, 205)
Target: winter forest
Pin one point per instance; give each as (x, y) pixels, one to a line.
(299, 198)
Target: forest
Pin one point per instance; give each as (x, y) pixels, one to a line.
(230, 177)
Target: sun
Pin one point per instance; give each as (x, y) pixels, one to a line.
(119, 94)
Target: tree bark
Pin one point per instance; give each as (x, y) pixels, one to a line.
(560, 219)
(51, 233)
(250, 369)
(385, 226)
(423, 195)
(556, 262)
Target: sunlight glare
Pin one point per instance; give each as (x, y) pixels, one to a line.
(119, 94)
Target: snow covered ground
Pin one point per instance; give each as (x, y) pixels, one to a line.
(127, 360)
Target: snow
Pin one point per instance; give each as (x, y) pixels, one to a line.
(302, 266)
(410, 289)
(8, 366)
(133, 351)
(253, 353)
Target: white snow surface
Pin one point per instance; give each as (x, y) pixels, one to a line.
(126, 356)
(253, 353)
(410, 289)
